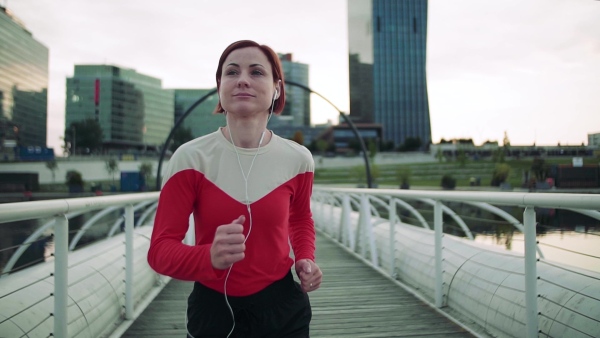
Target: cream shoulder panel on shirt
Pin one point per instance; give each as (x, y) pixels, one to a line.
(214, 157)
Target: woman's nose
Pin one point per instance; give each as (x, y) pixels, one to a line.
(243, 80)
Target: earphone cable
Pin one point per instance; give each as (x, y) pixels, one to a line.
(245, 176)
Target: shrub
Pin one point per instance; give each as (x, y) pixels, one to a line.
(448, 182)
(74, 180)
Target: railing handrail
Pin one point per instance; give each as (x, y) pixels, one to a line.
(11, 212)
(357, 219)
(58, 209)
(523, 199)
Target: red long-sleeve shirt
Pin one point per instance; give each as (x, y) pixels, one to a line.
(204, 178)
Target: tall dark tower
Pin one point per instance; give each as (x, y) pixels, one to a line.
(387, 57)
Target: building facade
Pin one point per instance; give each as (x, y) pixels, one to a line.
(594, 140)
(387, 57)
(23, 86)
(201, 121)
(297, 100)
(133, 109)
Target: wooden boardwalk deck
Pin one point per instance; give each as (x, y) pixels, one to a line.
(353, 301)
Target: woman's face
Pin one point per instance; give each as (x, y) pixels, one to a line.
(246, 82)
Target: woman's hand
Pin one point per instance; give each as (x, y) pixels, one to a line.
(309, 273)
(228, 245)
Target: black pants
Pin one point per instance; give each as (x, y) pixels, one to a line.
(280, 310)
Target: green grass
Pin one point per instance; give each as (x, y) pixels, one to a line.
(430, 174)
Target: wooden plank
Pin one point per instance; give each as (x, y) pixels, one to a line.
(353, 301)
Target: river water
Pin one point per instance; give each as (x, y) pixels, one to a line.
(577, 247)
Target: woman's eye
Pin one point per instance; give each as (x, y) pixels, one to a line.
(257, 72)
(231, 72)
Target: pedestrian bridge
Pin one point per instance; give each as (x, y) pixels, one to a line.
(391, 268)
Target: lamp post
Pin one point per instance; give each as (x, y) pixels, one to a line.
(74, 139)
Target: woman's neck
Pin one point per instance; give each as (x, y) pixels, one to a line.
(246, 133)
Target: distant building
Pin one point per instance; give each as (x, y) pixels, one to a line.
(594, 140)
(297, 100)
(133, 109)
(23, 85)
(387, 42)
(201, 120)
(343, 138)
(309, 133)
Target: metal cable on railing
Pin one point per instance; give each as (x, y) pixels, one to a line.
(94, 272)
(569, 289)
(570, 327)
(476, 276)
(569, 270)
(25, 309)
(25, 266)
(108, 249)
(495, 268)
(567, 250)
(24, 287)
(26, 334)
(568, 308)
(25, 243)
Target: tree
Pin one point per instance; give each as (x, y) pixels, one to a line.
(372, 147)
(112, 166)
(322, 146)
(360, 173)
(83, 137)
(498, 155)
(74, 181)
(506, 141)
(461, 157)
(448, 182)
(146, 172)
(540, 169)
(181, 136)
(500, 174)
(439, 155)
(403, 176)
(298, 137)
(52, 165)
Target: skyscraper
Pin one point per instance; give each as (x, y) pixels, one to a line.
(23, 85)
(297, 106)
(133, 109)
(387, 56)
(201, 120)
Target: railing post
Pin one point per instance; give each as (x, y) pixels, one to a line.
(531, 307)
(392, 222)
(129, 262)
(348, 236)
(61, 275)
(364, 219)
(438, 228)
(330, 228)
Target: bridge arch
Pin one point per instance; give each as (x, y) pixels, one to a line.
(292, 83)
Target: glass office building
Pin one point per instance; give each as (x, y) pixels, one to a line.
(133, 109)
(387, 57)
(297, 100)
(23, 85)
(201, 121)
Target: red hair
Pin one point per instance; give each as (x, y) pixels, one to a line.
(275, 65)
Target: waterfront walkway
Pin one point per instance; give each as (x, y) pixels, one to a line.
(353, 301)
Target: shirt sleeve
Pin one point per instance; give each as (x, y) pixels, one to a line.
(302, 227)
(168, 255)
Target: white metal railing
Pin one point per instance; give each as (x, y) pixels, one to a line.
(58, 210)
(346, 214)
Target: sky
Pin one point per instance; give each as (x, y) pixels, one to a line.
(527, 69)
